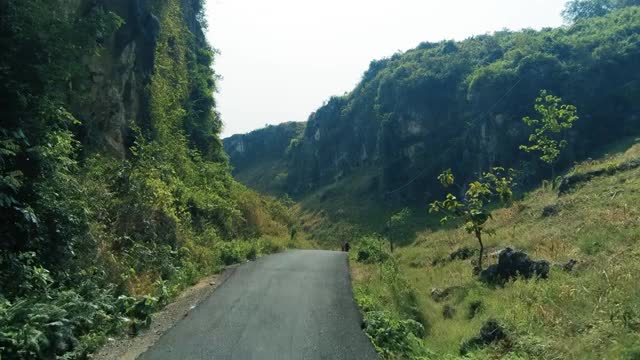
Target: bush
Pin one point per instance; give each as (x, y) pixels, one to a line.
(267, 246)
(252, 253)
(371, 250)
(393, 337)
(391, 319)
(67, 322)
(228, 253)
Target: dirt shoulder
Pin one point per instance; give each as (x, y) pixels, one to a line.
(129, 348)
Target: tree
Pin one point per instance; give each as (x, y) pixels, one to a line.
(396, 226)
(473, 210)
(548, 131)
(584, 9)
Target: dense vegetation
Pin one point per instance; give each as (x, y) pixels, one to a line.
(95, 237)
(587, 308)
(259, 157)
(460, 105)
(470, 107)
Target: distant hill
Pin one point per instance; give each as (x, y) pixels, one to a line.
(459, 105)
(259, 158)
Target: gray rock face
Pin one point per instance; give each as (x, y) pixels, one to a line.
(114, 95)
(514, 263)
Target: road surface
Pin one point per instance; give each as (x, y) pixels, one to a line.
(293, 305)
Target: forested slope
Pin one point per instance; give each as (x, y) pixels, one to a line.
(259, 157)
(115, 189)
(459, 104)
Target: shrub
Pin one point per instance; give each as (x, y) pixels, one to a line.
(370, 250)
(393, 337)
(252, 253)
(228, 253)
(269, 247)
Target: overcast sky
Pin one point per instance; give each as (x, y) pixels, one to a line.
(280, 59)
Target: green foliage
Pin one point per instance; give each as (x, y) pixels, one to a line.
(583, 9)
(590, 312)
(394, 332)
(555, 119)
(91, 244)
(396, 226)
(473, 210)
(259, 157)
(370, 250)
(69, 323)
(467, 99)
(392, 337)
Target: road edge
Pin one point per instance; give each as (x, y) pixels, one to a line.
(130, 347)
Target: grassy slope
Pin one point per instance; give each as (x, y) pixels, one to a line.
(265, 177)
(347, 209)
(591, 313)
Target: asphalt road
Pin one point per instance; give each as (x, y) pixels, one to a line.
(293, 305)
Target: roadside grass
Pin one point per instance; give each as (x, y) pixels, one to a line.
(592, 312)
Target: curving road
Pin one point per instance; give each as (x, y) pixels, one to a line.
(293, 305)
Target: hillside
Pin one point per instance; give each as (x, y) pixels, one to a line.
(459, 104)
(259, 158)
(561, 259)
(589, 310)
(115, 191)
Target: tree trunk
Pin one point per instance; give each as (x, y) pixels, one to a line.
(391, 245)
(479, 236)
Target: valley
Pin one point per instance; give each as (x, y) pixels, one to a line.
(487, 188)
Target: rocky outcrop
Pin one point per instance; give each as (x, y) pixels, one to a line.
(491, 332)
(114, 96)
(266, 151)
(269, 143)
(443, 105)
(514, 263)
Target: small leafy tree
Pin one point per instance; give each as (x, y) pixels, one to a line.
(396, 226)
(547, 134)
(473, 209)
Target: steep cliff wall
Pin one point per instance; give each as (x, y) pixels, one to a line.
(115, 191)
(114, 98)
(459, 105)
(259, 158)
(116, 95)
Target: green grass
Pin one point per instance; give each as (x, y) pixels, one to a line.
(623, 151)
(267, 176)
(348, 209)
(590, 313)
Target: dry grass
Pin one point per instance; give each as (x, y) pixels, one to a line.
(590, 313)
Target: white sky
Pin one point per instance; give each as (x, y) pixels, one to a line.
(280, 59)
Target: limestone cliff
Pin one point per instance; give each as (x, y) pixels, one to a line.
(460, 105)
(115, 97)
(259, 157)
